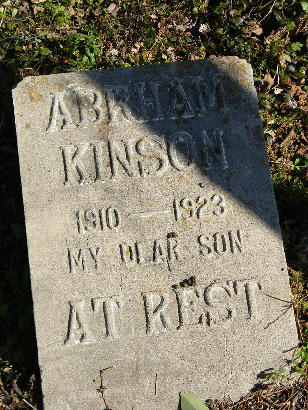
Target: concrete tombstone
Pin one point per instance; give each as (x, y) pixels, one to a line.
(156, 257)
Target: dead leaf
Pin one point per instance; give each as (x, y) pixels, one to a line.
(278, 90)
(204, 28)
(272, 133)
(257, 30)
(79, 12)
(269, 80)
(71, 10)
(253, 27)
(112, 52)
(302, 151)
(289, 139)
(113, 9)
(53, 35)
(284, 59)
(37, 9)
(97, 12)
(301, 97)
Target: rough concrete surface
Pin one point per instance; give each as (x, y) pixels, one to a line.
(153, 235)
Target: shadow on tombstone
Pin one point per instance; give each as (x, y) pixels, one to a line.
(189, 129)
(18, 342)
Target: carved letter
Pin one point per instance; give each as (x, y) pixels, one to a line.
(77, 331)
(153, 151)
(206, 95)
(220, 244)
(117, 104)
(218, 85)
(251, 288)
(122, 158)
(235, 242)
(59, 112)
(180, 105)
(158, 252)
(94, 255)
(86, 220)
(112, 218)
(74, 168)
(189, 307)
(111, 308)
(76, 260)
(172, 244)
(89, 105)
(128, 253)
(181, 147)
(218, 298)
(150, 107)
(155, 305)
(213, 148)
(98, 162)
(204, 249)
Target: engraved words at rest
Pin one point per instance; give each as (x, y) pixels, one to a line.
(206, 307)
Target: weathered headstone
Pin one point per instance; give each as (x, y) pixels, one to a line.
(153, 235)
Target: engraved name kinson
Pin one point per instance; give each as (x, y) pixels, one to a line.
(215, 304)
(98, 161)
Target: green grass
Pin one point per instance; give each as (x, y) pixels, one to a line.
(43, 37)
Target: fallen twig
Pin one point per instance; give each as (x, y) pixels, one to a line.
(102, 387)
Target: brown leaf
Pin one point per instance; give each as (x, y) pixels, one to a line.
(284, 59)
(272, 133)
(71, 10)
(302, 151)
(53, 35)
(301, 97)
(268, 79)
(37, 9)
(253, 27)
(289, 139)
(79, 12)
(97, 12)
(257, 30)
(204, 28)
(113, 9)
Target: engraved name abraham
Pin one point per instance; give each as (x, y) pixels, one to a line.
(135, 102)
